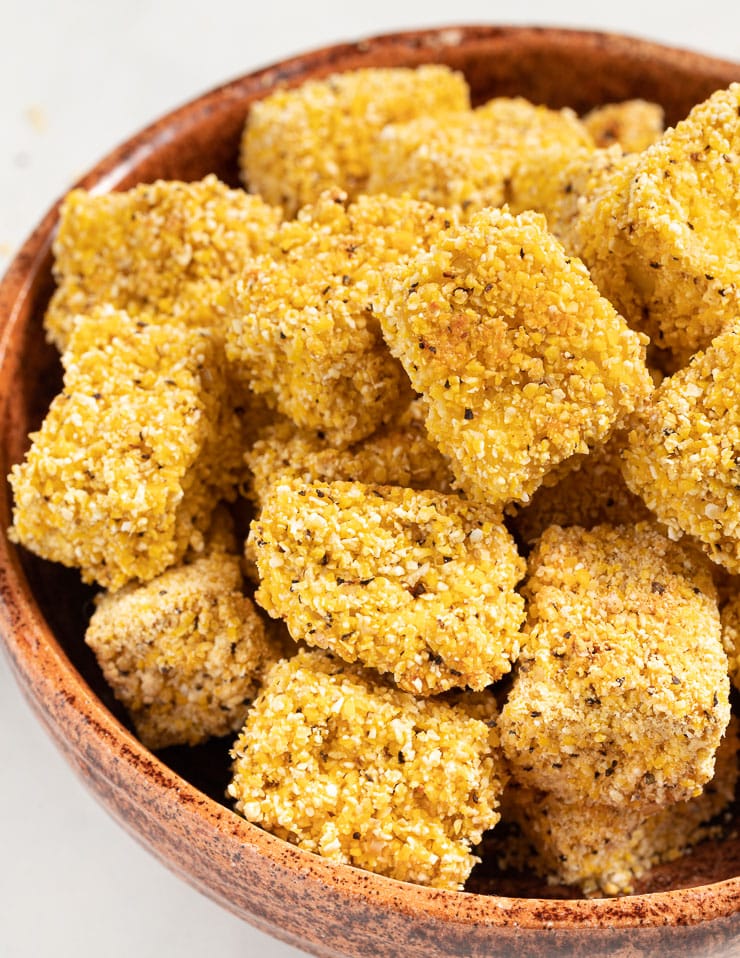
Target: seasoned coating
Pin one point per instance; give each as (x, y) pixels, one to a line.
(590, 494)
(304, 326)
(158, 249)
(417, 584)
(633, 124)
(662, 242)
(129, 463)
(621, 691)
(731, 636)
(468, 159)
(360, 773)
(183, 653)
(683, 452)
(523, 364)
(298, 143)
(397, 455)
(604, 849)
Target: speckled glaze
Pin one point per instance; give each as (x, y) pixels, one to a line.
(690, 908)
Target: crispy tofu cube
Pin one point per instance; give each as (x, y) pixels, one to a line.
(158, 249)
(184, 653)
(298, 143)
(521, 361)
(341, 765)
(304, 327)
(415, 584)
(731, 636)
(683, 452)
(131, 459)
(633, 124)
(621, 694)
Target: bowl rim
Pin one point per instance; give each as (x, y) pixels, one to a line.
(46, 675)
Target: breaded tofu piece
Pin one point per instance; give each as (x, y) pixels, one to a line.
(130, 461)
(730, 617)
(184, 653)
(304, 327)
(339, 764)
(299, 142)
(521, 361)
(621, 694)
(605, 849)
(683, 452)
(415, 584)
(592, 493)
(158, 249)
(633, 124)
(467, 159)
(663, 242)
(399, 454)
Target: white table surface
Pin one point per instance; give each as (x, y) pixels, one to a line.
(75, 79)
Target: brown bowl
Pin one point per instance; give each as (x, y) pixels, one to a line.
(173, 802)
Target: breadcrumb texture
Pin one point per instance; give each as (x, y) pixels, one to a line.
(682, 455)
(523, 364)
(415, 584)
(159, 249)
(397, 455)
(633, 124)
(662, 242)
(621, 694)
(129, 463)
(604, 849)
(731, 636)
(304, 324)
(184, 653)
(367, 775)
(299, 142)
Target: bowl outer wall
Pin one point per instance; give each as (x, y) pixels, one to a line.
(314, 904)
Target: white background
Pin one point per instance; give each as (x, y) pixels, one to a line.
(76, 78)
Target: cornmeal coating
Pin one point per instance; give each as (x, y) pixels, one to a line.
(129, 463)
(633, 124)
(662, 243)
(416, 584)
(731, 636)
(304, 326)
(523, 364)
(341, 765)
(183, 653)
(160, 249)
(397, 455)
(621, 691)
(298, 143)
(592, 493)
(468, 159)
(683, 452)
(604, 849)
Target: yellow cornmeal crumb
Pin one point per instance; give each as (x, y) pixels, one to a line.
(662, 242)
(468, 159)
(633, 124)
(682, 453)
(128, 465)
(158, 249)
(397, 455)
(604, 849)
(417, 584)
(522, 363)
(298, 143)
(590, 494)
(184, 653)
(304, 326)
(731, 636)
(363, 774)
(621, 691)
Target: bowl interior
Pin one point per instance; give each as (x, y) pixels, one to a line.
(553, 67)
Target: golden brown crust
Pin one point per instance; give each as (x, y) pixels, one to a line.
(633, 124)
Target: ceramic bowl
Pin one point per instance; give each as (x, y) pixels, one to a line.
(173, 802)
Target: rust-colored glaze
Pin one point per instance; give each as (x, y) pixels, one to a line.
(687, 909)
